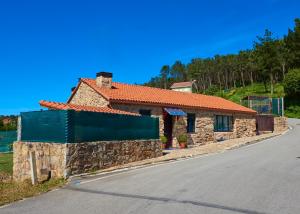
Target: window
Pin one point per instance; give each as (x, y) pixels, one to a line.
(223, 123)
(145, 112)
(190, 123)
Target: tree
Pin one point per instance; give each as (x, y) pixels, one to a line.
(292, 41)
(1, 124)
(268, 59)
(164, 73)
(291, 83)
(178, 71)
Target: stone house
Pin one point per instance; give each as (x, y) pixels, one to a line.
(203, 118)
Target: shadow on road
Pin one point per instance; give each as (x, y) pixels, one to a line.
(163, 199)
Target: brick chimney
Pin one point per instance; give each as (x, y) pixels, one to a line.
(104, 79)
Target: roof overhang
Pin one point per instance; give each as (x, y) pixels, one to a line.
(175, 111)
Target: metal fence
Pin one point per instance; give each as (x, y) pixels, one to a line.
(68, 126)
(265, 105)
(6, 139)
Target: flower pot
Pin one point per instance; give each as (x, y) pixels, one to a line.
(182, 145)
(163, 146)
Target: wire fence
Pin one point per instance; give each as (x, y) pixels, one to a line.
(6, 139)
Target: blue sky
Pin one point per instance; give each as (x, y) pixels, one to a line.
(45, 46)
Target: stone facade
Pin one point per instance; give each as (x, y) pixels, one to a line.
(204, 128)
(62, 160)
(244, 125)
(50, 157)
(86, 96)
(280, 124)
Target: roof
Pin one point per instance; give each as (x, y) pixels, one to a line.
(136, 94)
(68, 106)
(181, 84)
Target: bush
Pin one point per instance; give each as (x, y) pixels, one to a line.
(182, 138)
(163, 139)
(293, 111)
(212, 90)
(291, 83)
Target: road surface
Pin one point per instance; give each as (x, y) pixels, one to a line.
(261, 178)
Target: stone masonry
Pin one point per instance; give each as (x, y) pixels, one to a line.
(243, 125)
(62, 160)
(50, 157)
(85, 157)
(86, 96)
(280, 124)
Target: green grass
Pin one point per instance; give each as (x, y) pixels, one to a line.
(12, 191)
(237, 94)
(6, 163)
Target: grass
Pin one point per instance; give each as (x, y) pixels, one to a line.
(13, 191)
(6, 163)
(237, 94)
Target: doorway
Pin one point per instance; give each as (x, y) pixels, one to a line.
(168, 128)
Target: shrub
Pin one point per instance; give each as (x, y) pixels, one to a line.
(291, 82)
(163, 139)
(182, 138)
(212, 90)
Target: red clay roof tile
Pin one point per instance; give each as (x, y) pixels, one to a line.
(68, 106)
(135, 94)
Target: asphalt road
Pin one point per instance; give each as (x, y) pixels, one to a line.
(261, 178)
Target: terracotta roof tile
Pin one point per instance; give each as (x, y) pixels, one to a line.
(135, 94)
(68, 106)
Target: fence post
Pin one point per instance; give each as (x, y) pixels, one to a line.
(278, 106)
(282, 107)
(32, 161)
(19, 129)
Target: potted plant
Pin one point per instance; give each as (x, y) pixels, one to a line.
(164, 141)
(182, 140)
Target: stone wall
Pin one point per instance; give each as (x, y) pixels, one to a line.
(280, 124)
(204, 128)
(86, 96)
(63, 160)
(50, 157)
(85, 157)
(244, 126)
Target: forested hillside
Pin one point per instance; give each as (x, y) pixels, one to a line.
(266, 64)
